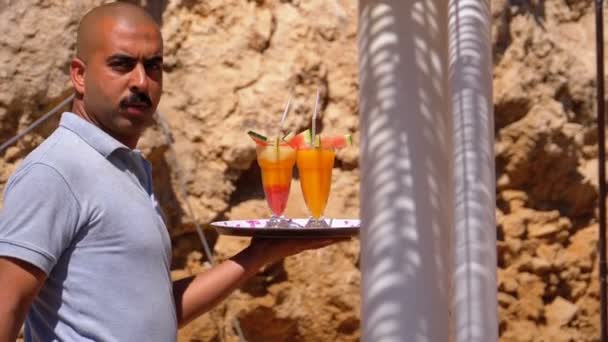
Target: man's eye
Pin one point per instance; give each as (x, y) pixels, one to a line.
(121, 65)
(155, 66)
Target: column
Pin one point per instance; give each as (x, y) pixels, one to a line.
(473, 299)
(406, 170)
(427, 190)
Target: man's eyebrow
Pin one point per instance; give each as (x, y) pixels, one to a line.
(153, 59)
(120, 56)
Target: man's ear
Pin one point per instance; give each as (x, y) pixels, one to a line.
(77, 70)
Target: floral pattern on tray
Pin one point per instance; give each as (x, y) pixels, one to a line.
(261, 223)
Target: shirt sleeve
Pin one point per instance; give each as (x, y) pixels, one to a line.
(39, 217)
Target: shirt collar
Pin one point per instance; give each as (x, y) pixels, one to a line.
(101, 141)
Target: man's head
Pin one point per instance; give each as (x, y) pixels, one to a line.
(117, 70)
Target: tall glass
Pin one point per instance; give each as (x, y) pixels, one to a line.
(276, 162)
(314, 167)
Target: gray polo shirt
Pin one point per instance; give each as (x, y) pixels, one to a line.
(81, 208)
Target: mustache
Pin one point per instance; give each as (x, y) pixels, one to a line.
(136, 99)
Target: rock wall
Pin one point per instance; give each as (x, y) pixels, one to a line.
(230, 67)
(546, 161)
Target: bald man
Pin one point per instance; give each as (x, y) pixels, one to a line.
(84, 252)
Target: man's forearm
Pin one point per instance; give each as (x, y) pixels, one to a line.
(11, 320)
(198, 294)
(19, 285)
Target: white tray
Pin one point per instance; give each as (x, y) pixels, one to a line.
(257, 227)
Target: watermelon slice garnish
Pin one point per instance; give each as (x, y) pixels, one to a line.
(289, 136)
(305, 140)
(336, 142)
(317, 141)
(302, 140)
(258, 138)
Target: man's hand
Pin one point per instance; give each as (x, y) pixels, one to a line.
(198, 294)
(19, 285)
(273, 250)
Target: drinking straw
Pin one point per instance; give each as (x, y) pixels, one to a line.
(285, 111)
(314, 117)
(601, 141)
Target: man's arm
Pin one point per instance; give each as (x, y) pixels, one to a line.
(19, 285)
(198, 294)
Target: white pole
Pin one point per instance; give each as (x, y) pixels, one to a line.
(427, 167)
(473, 301)
(406, 173)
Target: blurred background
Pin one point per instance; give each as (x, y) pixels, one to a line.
(230, 66)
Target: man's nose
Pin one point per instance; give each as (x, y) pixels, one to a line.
(139, 79)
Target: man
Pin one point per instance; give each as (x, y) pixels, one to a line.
(84, 253)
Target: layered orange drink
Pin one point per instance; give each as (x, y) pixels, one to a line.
(315, 168)
(315, 161)
(276, 159)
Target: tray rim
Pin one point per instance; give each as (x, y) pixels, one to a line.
(336, 231)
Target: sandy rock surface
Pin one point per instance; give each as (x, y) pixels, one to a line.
(230, 67)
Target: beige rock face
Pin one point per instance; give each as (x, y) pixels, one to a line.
(230, 67)
(546, 170)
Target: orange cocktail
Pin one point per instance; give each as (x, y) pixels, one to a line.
(276, 161)
(315, 167)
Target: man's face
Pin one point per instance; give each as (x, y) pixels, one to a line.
(123, 77)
